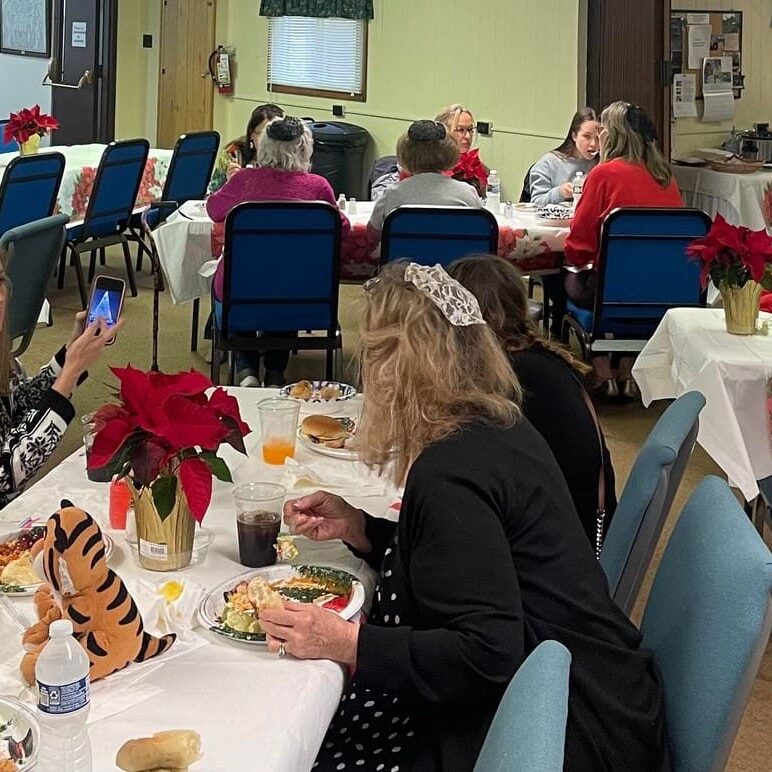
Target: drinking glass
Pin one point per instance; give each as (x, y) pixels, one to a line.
(278, 428)
(90, 427)
(258, 520)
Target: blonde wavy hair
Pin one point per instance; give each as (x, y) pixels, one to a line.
(626, 141)
(424, 379)
(451, 115)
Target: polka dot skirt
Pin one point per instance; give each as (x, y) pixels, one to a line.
(371, 730)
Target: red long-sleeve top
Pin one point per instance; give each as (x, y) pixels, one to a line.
(608, 186)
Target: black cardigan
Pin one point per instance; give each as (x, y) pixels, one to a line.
(490, 561)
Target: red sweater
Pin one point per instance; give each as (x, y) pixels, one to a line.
(608, 186)
(267, 184)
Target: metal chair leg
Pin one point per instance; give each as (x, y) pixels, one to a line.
(102, 256)
(194, 325)
(79, 275)
(62, 267)
(129, 268)
(214, 367)
(92, 265)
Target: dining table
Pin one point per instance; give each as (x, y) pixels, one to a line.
(80, 167)
(692, 350)
(741, 199)
(188, 241)
(253, 709)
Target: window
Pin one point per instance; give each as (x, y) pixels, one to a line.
(319, 57)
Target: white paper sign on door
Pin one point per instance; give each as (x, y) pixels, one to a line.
(78, 34)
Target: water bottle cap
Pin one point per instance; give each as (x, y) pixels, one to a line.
(493, 171)
(62, 628)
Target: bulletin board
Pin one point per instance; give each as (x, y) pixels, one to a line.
(726, 39)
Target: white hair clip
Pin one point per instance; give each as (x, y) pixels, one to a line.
(458, 305)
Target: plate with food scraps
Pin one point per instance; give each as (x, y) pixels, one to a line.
(231, 609)
(19, 736)
(328, 436)
(555, 215)
(17, 574)
(320, 396)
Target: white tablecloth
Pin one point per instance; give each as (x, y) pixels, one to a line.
(184, 245)
(252, 709)
(691, 350)
(80, 163)
(739, 198)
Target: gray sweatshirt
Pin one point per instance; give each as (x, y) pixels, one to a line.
(550, 172)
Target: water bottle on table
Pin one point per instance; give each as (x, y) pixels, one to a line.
(493, 192)
(62, 675)
(577, 185)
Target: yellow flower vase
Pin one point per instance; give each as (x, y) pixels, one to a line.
(163, 545)
(741, 307)
(30, 147)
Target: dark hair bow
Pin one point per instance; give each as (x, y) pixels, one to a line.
(285, 129)
(426, 131)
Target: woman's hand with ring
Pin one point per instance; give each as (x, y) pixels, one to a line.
(310, 632)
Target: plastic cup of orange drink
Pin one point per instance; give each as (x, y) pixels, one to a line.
(278, 428)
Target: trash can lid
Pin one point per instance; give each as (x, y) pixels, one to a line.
(333, 131)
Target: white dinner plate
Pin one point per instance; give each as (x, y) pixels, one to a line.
(23, 591)
(212, 604)
(347, 454)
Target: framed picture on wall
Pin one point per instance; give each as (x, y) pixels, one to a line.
(25, 27)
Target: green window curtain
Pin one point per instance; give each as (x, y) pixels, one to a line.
(320, 9)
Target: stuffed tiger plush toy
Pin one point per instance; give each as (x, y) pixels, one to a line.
(81, 587)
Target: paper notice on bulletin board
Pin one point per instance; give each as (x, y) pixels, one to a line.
(684, 92)
(699, 45)
(718, 107)
(698, 18)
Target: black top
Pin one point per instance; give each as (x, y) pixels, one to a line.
(487, 561)
(553, 403)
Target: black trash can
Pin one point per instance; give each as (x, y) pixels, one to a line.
(339, 156)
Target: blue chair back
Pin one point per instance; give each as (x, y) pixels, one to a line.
(281, 267)
(647, 497)
(438, 234)
(115, 188)
(6, 147)
(28, 188)
(191, 166)
(707, 622)
(33, 250)
(529, 729)
(644, 269)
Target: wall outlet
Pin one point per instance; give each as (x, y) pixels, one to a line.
(339, 111)
(147, 41)
(485, 128)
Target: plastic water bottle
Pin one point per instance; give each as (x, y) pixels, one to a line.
(493, 192)
(352, 206)
(62, 675)
(578, 186)
(342, 202)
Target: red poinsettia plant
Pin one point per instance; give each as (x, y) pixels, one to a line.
(733, 255)
(471, 169)
(167, 430)
(22, 125)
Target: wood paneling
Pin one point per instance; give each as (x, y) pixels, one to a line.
(185, 89)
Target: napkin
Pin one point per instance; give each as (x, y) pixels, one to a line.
(169, 606)
(356, 478)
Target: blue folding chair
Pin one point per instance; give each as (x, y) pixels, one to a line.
(643, 272)
(529, 729)
(281, 262)
(109, 210)
(647, 497)
(6, 147)
(190, 170)
(28, 188)
(33, 250)
(438, 234)
(707, 622)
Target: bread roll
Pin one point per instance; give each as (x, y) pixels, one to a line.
(173, 751)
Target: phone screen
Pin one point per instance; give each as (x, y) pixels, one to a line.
(106, 301)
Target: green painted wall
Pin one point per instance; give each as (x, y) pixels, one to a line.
(515, 63)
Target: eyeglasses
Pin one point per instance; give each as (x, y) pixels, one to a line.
(461, 130)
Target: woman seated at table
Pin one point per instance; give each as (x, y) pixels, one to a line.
(554, 397)
(35, 412)
(242, 152)
(551, 177)
(425, 152)
(631, 172)
(487, 560)
(282, 174)
(459, 122)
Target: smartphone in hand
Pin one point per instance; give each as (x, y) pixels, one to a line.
(106, 301)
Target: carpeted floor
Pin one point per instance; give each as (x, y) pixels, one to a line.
(625, 426)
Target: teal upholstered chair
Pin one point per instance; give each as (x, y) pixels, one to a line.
(647, 498)
(708, 621)
(529, 729)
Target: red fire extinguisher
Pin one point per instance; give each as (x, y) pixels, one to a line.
(220, 70)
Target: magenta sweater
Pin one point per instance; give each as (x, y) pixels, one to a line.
(267, 184)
